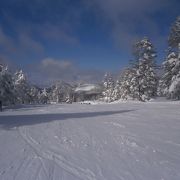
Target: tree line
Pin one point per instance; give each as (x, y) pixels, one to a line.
(140, 80)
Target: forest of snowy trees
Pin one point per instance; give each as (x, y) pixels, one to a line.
(140, 81)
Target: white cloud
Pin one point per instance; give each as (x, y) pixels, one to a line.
(28, 44)
(131, 19)
(52, 63)
(50, 70)
(6, 43)
(23, 44)
(4, 60)
(56, 33)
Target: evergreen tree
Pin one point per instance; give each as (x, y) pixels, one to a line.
(170, 81)
(125, 84)
(22, 88)
(43, 97)
(144, 81)
(61, 92)
(56, 93)
(116, 91)
(34, 95)
(7, 95)
(174, 37)
(108, 88)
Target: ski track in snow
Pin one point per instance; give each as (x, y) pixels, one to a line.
(56, 158)
(125, 141)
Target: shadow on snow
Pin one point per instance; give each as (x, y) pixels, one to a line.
(24, 107)
(11, 121)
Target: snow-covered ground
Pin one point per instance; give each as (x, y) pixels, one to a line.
(125, 141)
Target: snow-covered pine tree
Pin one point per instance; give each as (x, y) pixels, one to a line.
(174, 37)
(22, 88)
(7, 95)
(116, 92)
(68, 95)
(61, 92)
(170, 81)
(55, 93)
(108, 87)
(34, 95)
(125, 83)
(43, 97)
(174, 43)
(144, 82)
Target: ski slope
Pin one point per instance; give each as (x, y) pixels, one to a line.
(124, 141)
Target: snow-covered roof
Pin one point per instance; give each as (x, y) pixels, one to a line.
(94, 88)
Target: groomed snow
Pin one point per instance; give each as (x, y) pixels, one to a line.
(124, 141)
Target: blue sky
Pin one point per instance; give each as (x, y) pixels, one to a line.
(87, 34)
